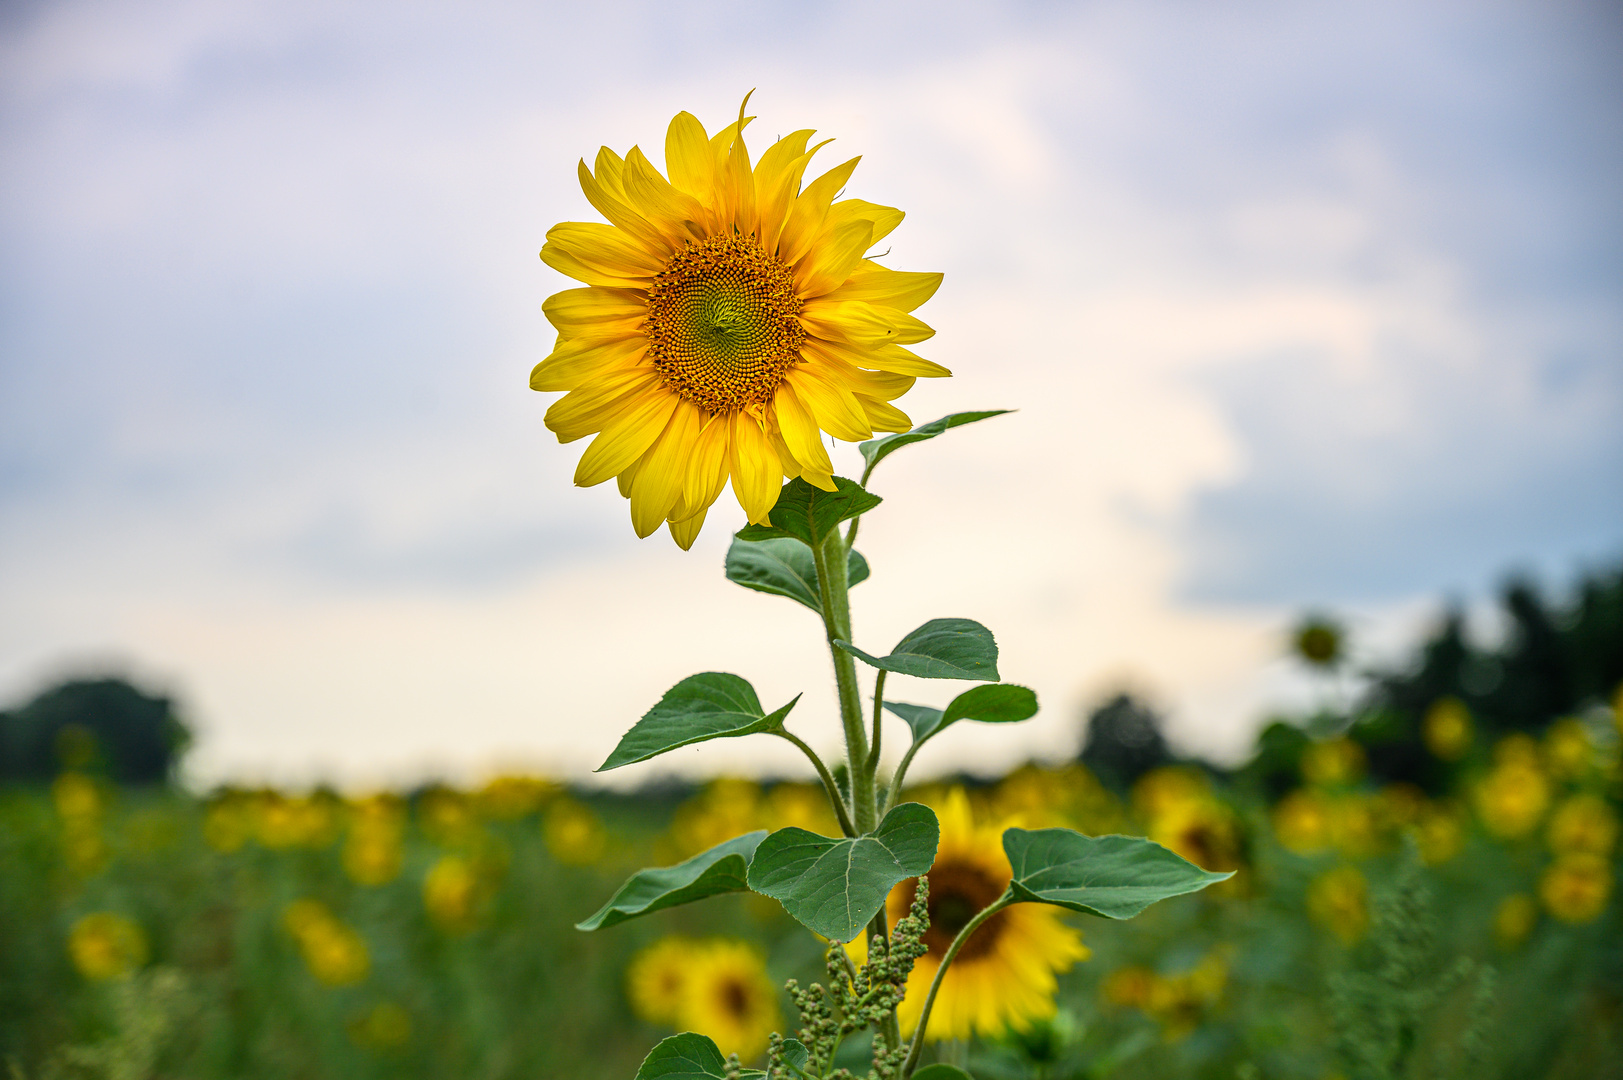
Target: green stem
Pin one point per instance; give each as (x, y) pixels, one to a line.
(829, 785)
(970, 927)
(878, 730)
(851, 533)
(831, 557)
(901, 771)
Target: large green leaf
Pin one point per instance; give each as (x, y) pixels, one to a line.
(876, 450)
(940, 649)
(1113, 876)
(809, 513)
(784, 566)
(721, 869)
(990, 703)
(941, 1071)
(834, 887)
(796, 1056)
(688, 1056)
(713, 705)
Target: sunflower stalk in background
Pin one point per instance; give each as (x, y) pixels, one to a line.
(731, 318)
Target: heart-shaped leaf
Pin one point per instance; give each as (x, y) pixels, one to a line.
(834, 887)
(876, 450)
(1113, 876)
(796, 1056)
(941, 1071)
(713, 705)
(990, 703)
(688, 1056)
(940, 649)
(722, 869)
(784, 566)
(809, 513)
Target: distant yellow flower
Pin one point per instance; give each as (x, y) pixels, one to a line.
(1397, 806)
(77, 798)
(1206, 833)
(1567, 749)
(728, 996)
(1302, 822)
(1338, 900)
(1576, 886)
(1068, 796)
(447, 817)
(730, 320)
(801, 806)
(574, 833)
(386, 1026)
(1004, 976)
(1583, 822)
(1129, 986)
(228, 823)
(1180, 1001)
(1512, 798)
(725, 808)
(452, 891)
(1169, 789)
(657, 978)
(333, 951)
(1334, 763)
(1355, 824)
(106, 946)
(297, 821)
(1447, 728)
(507, 798)
(1514, 919)
(1440, 832)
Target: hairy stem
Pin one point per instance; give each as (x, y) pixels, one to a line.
(829, 785)
(917, 1046)
(878, 729)
(832, 584)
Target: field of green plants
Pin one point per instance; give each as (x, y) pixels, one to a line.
(1425, 886)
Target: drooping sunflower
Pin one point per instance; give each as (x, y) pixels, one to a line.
(1003, 977)
(730, 318)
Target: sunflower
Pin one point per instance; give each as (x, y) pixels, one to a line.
(1003, 977)
(730, 318)
(729, 997)
(657, 979)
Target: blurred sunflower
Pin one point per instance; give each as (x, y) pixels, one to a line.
(105, 945)
(657, 979)
(1338, 900)
(729, 319)
(1003, 976)
(728, 996)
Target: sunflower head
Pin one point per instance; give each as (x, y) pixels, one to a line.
(730, 319)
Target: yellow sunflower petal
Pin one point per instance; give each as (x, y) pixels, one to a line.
(659, 480)
(827, 265)
(610, 202)
(588, 408)
(862, 323)
(899, 289)
(807, 212)
(688, 160)
(884, 219)
(777, 179)
(902, 362)
(832, 406)
(625, 438)
(754, 466)
(686, 531)
(883, 416)
(802, 437)
(574, 363)
(707, 467)
(676, 213)
(576, 309)
(567, 264)
(605, 249)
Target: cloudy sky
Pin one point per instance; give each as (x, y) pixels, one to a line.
(1301, 305)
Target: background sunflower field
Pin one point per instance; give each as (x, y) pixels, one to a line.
(1425, 884)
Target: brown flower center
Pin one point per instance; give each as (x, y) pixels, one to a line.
(722, 326)
(958, 891)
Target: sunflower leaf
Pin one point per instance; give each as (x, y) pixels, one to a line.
(990, 703)
(941, 1071)
(722, 869)
(796, 1056)
(809, 513)
(688, 1056)
(834, 887)
(1113, 876)
(713, 705)
(783, 566)
(940, 649)
(876, 450)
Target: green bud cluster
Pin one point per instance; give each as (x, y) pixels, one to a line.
(856, 998)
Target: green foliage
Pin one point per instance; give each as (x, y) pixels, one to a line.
(688, 1057)
(835, 887)
(106, 725)
(1113, 876)
(784, 566)
(809, 513)
(722, 869)
(940, 649)
(713, 705)
(940, 1071)
(876, 450)
(993, 703)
